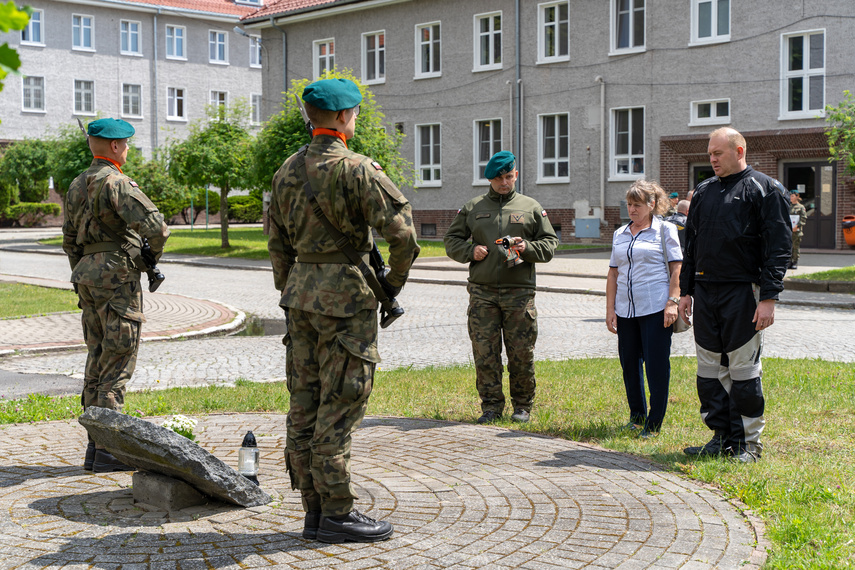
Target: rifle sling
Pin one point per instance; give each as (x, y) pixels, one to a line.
(130, 249)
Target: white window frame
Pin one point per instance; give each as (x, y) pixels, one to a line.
(81, 92)
(130, 33)
(478, 165)
(255, 108)
(378, 55)
(613, 28)
(255, 56)
(214, 37)
(714, 119)
(172, 98)
(127, 95)
(328, 59)
(805, 74)
(432, 56)
(558, 158)
(82, 27)
(630, 156)
(220, 101)
(491, 33)
(433, 165)
(715, 37)
(250, 2)
(35, 90)
(37, 20)
(542, 26)
(173, 40)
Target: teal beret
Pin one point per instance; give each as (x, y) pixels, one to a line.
(501, 163)
(333, 94)
(794, 191)
(674, 195)
(111, 129)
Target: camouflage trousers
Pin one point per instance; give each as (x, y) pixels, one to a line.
(112, 323)
(495, 315)
(797, 242)
(330, 374)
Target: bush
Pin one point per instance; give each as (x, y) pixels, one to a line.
(199, 204)
(28, 214)
(8, 194)
(27, 163)
(154, 180)
(247, 209)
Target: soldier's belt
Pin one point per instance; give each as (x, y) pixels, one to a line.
(335, 257)
(100, 247)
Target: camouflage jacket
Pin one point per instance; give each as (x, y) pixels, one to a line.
(123, 207)
(490, 217)
(800, 211)
(356, 195)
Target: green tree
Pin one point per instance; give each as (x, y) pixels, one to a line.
(284, 133)
(841, 131)
(217, 152)
(26, 164)
(10, 19)
(154, 180)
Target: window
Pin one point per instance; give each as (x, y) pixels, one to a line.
(628, 143)
(34, 94)
(488, 141)
(175, 42)
(254, 51)
(488, 41)
(627, 26)
(255, 103)
(130, 37)
(324, 59)
(710, 21)
(219, 98)
(81, 32)
(428, 55)
(374, 57)
(428, 163)
(803, 75)
(554, 148)
(218, 51)
(131, 100)
(84, 97)
(32, 34)
(249, 2)
(175, 104)
(553, 38)
(710, 112)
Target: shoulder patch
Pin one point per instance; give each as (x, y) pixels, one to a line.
(376, 165)
(134, 184)
(543, 213)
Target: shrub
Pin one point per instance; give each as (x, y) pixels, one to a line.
(199, 204)
(8, 194)
(27, 163)
(28, 214)
(247, 209)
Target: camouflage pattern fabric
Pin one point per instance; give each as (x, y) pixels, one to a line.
(332, 314)
(800, 211)
(496, 315)
(108, 283)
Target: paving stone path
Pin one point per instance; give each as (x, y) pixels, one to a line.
(459, 495)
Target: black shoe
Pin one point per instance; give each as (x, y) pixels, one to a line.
(739, 455)
(489, 417)
(311, 524)
(794, 266)
(633, 427)
(353, 527)
(521, 416)
(104, 462)
(90, 456)
(711, 448)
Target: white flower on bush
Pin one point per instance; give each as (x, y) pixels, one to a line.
(182, 425)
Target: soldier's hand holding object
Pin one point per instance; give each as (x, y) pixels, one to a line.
(480, 252)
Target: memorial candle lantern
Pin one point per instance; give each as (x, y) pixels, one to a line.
(248, 458)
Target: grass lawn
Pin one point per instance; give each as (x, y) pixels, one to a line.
(19, 300)
(842, 274)
(804, 488)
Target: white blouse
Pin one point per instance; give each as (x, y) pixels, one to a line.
(643, 281)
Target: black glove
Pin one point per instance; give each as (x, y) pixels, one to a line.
(390, 289)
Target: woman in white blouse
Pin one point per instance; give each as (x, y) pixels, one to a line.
(642, 294)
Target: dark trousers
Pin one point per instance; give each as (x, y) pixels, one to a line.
(644, 343)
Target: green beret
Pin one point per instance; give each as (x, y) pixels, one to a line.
(333, 94)
(794, 191)
(111, 129)
(501, 163)
(674, 195)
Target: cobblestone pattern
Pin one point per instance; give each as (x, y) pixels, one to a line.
(459, 496)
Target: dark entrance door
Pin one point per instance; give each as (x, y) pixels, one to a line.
(817, 189)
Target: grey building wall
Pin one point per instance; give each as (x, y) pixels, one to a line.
(60, 65)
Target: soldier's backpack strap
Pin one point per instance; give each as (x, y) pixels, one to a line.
(134, 252)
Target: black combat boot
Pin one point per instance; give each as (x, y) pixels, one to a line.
(311, 524)
(90, 456)
(353, 527)
(713, 447)
(104, 462)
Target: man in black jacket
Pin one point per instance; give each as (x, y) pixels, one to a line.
(737, 249)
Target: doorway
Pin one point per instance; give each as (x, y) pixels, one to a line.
(815, 182)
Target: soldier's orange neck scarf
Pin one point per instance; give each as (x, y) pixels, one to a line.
(331, 132)
(116, 164)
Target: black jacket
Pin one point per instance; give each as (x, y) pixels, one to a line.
(738, 230)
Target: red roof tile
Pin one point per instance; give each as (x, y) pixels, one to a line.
(224, 7)
(285, 6)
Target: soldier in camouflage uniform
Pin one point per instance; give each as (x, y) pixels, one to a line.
(796, 209)
(332, 313)
(105, 278)
(501, 298)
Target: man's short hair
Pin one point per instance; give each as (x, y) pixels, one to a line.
(319, 116)
(733, 137)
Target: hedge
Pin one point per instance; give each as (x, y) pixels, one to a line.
(247, 209)
(28, 214)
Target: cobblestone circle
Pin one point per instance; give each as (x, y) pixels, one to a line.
(459, 496)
